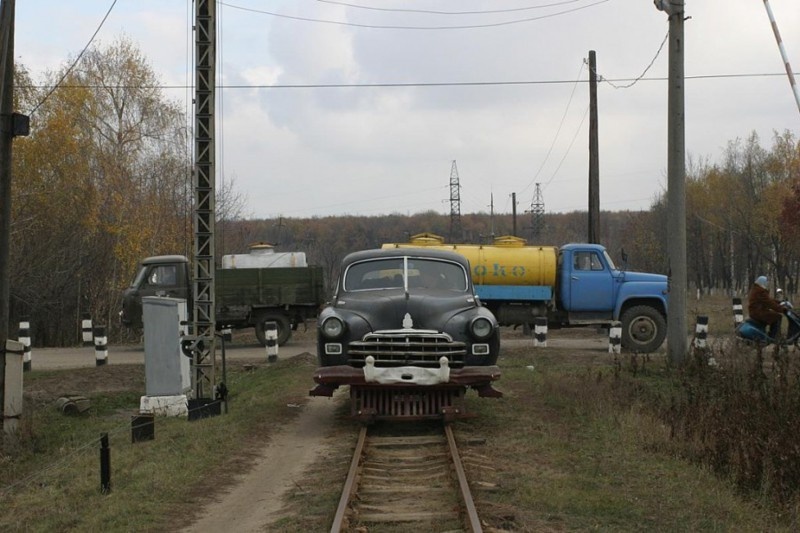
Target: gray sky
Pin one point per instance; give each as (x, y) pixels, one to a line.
(499, 87)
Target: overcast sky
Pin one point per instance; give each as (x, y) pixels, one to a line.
(499, 86)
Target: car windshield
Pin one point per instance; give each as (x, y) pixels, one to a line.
(402, 272)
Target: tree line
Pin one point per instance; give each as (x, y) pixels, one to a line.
(104, 180)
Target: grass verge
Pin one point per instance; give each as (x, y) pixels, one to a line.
(50, 476)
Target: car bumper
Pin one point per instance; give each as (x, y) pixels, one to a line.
(480, 378)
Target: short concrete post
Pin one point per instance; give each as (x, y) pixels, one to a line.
(12, 391)
(100, 346)
(615, 337)
(271, 333)
(738, 313)
(25, 338)
(86, 330)
(540, 331)
(701, 333)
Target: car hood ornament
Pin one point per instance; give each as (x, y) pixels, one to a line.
(407, 322)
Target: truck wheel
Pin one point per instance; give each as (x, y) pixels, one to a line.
(284, 328)
(643, 329)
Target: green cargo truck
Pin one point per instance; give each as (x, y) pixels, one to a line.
(244, 297)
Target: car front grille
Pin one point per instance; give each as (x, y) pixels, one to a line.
(403, 348)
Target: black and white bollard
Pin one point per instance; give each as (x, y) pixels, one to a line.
(86, 330)
(25, 338)
(271, 333)
(615, 337)
(738, 312)
(701, 333)
(100, 346)
(540, 331)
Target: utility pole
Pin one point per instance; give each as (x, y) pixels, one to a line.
(514, 213)
(6, 137)
(594, 160)
(677, 343)
(203, 341)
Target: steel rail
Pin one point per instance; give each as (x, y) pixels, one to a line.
(350, 482)
(471, 512)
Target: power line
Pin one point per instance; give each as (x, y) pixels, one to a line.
(402, 85)
(577, 131)
(85, 48)
(558, 131)
(382, 27)
(432, 12)
(641, 76)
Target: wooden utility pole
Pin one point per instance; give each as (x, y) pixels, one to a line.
(6, 138)
(677, 342)
(594, 160)
(514, 213)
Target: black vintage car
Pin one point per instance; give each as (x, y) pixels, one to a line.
(404, 329)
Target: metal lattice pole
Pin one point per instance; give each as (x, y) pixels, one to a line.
(203, 315)
(455, 205)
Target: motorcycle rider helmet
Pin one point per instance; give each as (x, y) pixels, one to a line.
(761, 281)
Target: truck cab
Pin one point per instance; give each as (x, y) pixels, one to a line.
(592, 290)
(164, 275)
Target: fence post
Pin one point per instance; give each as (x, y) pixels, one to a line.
(271, 332)
(100, 346)
(105, 464)
(615, 337)
(25, 338)
(540, 331)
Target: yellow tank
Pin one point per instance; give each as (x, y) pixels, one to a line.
(508, 261)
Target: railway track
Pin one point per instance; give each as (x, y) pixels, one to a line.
(410, 482)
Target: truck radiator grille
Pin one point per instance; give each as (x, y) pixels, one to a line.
(404, 402)
(390, 348)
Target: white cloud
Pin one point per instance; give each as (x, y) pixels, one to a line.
(320, 151)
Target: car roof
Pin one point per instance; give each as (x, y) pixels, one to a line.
(420, 253)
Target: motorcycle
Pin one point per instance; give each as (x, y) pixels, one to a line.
(754, 331)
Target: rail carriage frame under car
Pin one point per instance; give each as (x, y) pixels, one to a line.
(405, 331)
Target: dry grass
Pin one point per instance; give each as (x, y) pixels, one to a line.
(581, 441)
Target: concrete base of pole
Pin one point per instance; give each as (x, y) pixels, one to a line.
(164, 405)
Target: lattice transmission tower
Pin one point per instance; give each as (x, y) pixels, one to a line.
(537, 214)
(455, 205)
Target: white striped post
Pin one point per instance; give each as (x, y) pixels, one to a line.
(86, 329)
(25, 338)
(738, 312)
(701, 333)
(271, 333)
(615, 337)
(100, 346)
(540, 331)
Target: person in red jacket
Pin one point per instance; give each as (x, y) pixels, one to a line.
(764, 308)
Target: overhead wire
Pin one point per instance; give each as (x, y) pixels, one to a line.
(558, 131)
(423, 28)
(74, 63)
(641, 76)
(577, 131)
(434, 12)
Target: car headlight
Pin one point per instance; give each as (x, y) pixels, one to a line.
(481, 328)
(332, 327)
